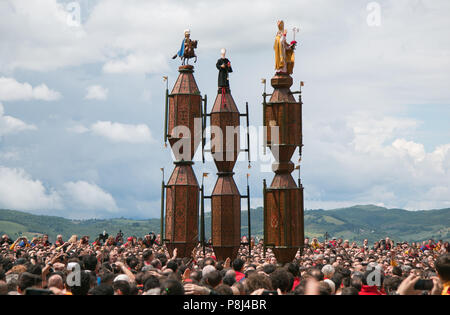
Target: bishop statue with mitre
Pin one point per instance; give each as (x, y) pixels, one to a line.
(284, 52)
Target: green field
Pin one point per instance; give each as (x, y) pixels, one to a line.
(354, 223)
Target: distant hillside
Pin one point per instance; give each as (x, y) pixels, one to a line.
(354, 223)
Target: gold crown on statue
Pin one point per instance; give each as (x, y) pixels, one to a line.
(280, 25)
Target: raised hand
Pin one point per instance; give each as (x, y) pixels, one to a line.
(193, 289)
(186, 274)
(407, 286)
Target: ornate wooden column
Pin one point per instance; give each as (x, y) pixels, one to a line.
(283, 200)
(225, 198)
(182, 190)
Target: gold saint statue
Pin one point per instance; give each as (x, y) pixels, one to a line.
(284, 52)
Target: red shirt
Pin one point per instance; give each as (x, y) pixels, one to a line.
(369, 290)
(296, 283)
(239, 276)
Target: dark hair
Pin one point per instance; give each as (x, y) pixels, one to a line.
(356, 283)
(229, 280)
(172, 287)
(134, 289)
(132, 262)
(238, 264)
(224, 289)
(35, 269)
(397, 271)
(85, 281)
(147, 254)
(324, 288)
(349, 291)
(172, 265)
(391, 284)
(151, 283)
(106, 277)
(294, 269)
(6, 263)
(220, 265)
(162, 258)
(13, 284)
(268, 269)
(89, 262)
(28, 280)
(443, 267)
(102, 289)
(3, 288)
(123, 286)
(258, 281)
(280, 280)
(156, 263)
(213, 278)
(300, 288)
(337, 279)
(196, 275)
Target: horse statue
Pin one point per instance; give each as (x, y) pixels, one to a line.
(187, 50)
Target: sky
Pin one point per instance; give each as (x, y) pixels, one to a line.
(82, 99)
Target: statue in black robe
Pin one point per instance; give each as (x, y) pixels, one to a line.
(224, 67)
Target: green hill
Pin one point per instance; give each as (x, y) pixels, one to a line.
(354, 223)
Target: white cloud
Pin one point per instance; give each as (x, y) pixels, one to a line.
(414, 150)
(118, 132)
(371, 134)
(88, 196)
(97, 92)
(18, 191)
(372, 161)
(10, 125)
(40, 38)
(136, 63)
(80, 129)
(11, 90)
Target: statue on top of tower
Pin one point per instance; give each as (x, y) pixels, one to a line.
(224, 67)
(187, 50)
(284, 52)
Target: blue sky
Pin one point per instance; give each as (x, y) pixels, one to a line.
(82, 105)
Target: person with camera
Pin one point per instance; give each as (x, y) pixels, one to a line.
(149, 240)
(21, 242)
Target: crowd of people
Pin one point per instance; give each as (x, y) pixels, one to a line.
(142, 266)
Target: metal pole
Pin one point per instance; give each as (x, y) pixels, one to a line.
(249, 220)
(265, 216)
(205, 114)
(162, 207)
(264, 118)
(165, 114)
(202, 219)
(248, 135)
